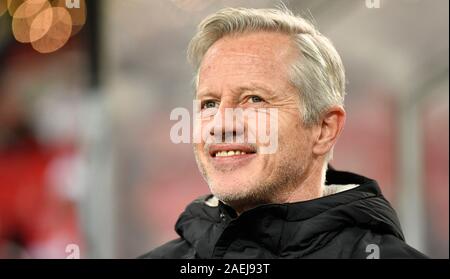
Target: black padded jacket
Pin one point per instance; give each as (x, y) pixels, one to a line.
(355, 223)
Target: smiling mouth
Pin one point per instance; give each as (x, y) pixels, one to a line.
(224, 151)
(229, 153)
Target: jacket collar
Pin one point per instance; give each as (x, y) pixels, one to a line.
(278, 225)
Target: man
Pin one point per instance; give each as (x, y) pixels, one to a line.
(287, 203)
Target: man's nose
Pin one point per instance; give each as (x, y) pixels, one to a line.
(227, 123)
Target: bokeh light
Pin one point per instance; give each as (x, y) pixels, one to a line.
(13, 5)
(78, 15)
(46, 24)
(59, 32)
(24, 16)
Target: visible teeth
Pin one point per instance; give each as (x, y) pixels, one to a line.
(229, 153)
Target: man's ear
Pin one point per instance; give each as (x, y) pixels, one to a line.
(328, 130)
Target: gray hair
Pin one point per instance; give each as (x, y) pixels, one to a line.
(318, 73)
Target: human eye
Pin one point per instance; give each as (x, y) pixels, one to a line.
(209, 104)
(255, 99)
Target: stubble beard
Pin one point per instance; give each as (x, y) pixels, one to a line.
(272, 189)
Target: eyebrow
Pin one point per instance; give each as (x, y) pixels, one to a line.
(251, 87)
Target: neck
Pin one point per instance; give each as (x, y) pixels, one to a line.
(309, 187)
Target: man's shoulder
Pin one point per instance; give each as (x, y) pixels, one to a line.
(175, 249)
(393, 247)
(384, 246)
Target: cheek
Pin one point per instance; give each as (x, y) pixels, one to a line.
(262, 128)
(198, 150)
(201, 130)
(293, 136)
(288, 126)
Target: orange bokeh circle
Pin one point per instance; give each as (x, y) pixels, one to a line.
(13, 5)
(24, 16)
(46, 24)
(59, 24)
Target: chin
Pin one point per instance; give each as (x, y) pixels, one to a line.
(228, 189)
(234, 191)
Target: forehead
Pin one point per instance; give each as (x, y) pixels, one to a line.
(246, 58)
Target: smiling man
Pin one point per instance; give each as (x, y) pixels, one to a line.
(286, 203)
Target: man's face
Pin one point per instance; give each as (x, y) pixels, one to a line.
(251, 72)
